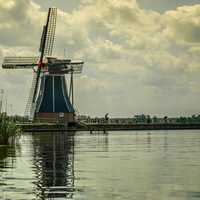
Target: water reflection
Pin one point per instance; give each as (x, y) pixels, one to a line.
(53, 161)
(121, 165)
(7, 156)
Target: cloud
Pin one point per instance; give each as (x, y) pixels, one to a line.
(184, 23)
(134, 59)
(19, 20)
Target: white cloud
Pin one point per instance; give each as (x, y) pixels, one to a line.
(184, 23)
(135, 59)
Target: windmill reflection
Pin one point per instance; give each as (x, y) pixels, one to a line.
(53, 161)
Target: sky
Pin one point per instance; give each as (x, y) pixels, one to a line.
(141, 56)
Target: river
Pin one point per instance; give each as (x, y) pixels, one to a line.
(155, 165)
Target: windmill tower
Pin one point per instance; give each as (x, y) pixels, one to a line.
(49, 99)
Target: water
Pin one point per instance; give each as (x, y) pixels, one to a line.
(122, 165)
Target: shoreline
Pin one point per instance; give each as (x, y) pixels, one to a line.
(105, 127)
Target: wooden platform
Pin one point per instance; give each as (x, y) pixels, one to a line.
(50, 127)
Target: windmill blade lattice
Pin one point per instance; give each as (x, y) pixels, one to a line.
(66, 66)
(29, 110)
(76, 66)
(46, 46)
(50, 32)
(19, 62)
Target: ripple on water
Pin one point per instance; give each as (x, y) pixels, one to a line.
(127, 165)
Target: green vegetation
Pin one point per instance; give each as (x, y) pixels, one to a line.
(142, 119)
(8, 130)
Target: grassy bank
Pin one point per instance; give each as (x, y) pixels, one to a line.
(8, 130)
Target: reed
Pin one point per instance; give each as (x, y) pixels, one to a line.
(8, 130)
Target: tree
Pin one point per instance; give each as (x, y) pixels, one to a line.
(165, 119)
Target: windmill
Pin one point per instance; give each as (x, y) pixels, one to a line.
(49, 99)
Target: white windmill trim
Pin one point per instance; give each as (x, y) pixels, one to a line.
(53, 93)
(62, 83)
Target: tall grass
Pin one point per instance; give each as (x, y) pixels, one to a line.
(8, 130)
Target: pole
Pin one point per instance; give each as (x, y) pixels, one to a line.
(6, 109)
(0, 105)
(11, 110)
(1, 100)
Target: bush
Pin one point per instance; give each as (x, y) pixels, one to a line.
(8, 131)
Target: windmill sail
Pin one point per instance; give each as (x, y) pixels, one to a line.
(76, 66)
(64, 66)
(42, 39)
(46, 45)
(48, 35)
(19, 62)
(51, 28)
(29, 110)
